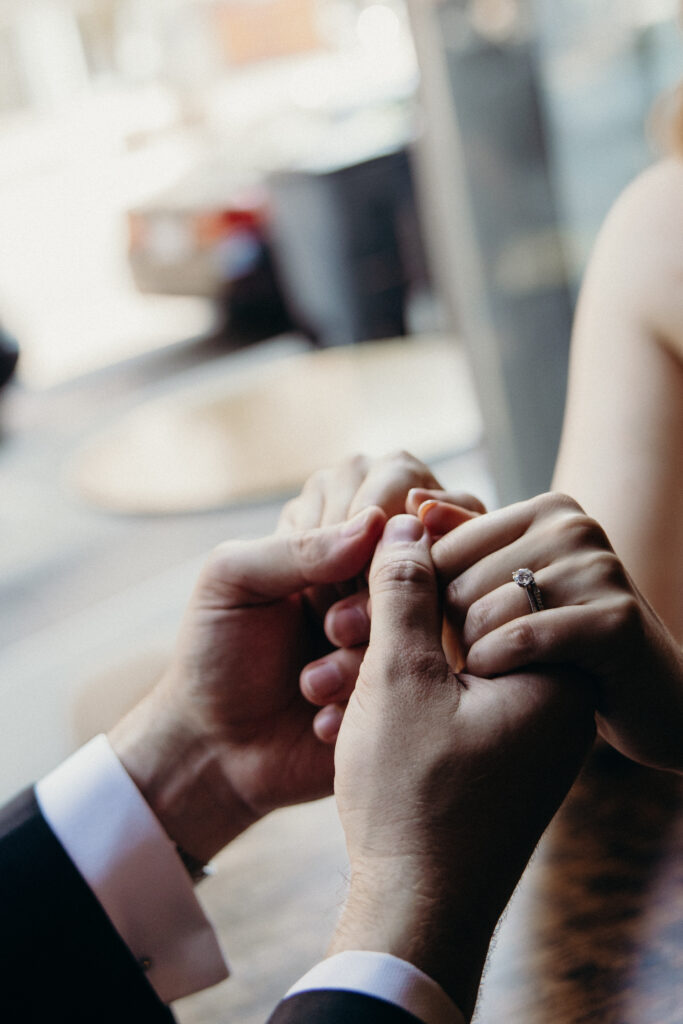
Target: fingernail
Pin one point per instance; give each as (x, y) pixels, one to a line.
(402, 530)
(322, 681)
(328, 723)
(358, 524)
(347, 627)
(425, 508)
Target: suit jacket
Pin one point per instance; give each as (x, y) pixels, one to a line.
(61, 960)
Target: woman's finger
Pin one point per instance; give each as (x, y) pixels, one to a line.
(332, 679)
(418, 495)
(576, 580)
(558, 523)
(484, 596)
(547, 637)
(440, 518)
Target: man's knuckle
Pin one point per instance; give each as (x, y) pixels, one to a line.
(306, 550)
(225, 573)
(402, 574)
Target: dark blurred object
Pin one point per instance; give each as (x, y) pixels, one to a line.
(207, 238)
(253, 304)
(190, 242)
(347, 246)
(9, 356)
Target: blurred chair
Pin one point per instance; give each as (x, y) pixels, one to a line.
(347, 245)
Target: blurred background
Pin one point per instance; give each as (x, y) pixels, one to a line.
(239, 240)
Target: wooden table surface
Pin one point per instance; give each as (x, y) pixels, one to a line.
(595, 930)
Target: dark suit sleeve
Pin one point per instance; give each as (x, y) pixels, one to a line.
(61, 960)
(338, 1007)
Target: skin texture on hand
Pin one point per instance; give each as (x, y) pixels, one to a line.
(226, 735)
(330, 496)
(444, 783)
(330, 681)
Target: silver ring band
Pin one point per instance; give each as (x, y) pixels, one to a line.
(524, 578)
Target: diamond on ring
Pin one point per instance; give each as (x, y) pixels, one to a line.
(524, 578)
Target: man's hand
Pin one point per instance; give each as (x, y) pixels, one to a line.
(226, 735)
(444, 783)
(330, 496)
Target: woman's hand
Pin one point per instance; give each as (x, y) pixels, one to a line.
(594, 617)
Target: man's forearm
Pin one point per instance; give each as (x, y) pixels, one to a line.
(435, 928)
(181, 775)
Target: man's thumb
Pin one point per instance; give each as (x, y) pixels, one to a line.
(257, 571)
(406, 618)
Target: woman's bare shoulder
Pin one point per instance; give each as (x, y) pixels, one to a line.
(654, 196)
(639, 253)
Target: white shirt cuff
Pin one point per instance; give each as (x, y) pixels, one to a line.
(119, 847)
(385, 977)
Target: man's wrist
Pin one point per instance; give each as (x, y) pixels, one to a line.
(181, 774)
(118, 846)
(432, 927)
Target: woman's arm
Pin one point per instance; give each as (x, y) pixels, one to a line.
(621, 454)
